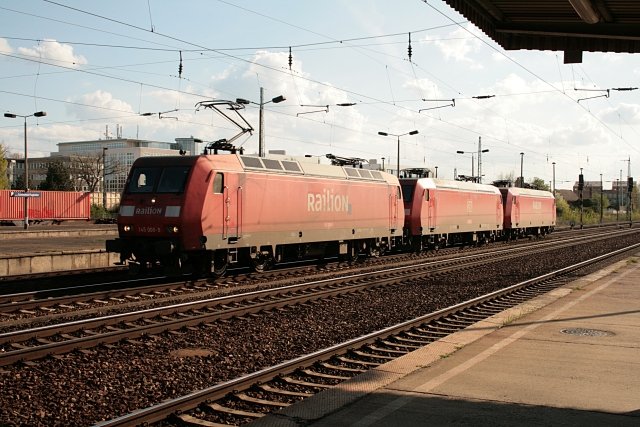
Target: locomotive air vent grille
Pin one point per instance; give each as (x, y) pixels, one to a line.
(365, 173)
(376, 175)
(252, 162)
(352, 172)
(291, 166)
(272, 164)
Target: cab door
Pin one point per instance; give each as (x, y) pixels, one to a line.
(394, 197)
(232, 197)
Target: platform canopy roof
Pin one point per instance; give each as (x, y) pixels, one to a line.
(572, 26)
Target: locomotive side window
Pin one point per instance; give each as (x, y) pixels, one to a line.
(143, 180)
(173, 179)
(218, 183)
(426, 195)
(399, 193)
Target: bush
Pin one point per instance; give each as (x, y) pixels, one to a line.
(99, 212)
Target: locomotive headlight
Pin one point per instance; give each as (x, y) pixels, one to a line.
(153, 200)
(126, 228)
(172, 229)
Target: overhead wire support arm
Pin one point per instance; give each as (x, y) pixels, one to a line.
(604, 95)
(231, 106)
(324, 108)
(453, 104)
(160, 113)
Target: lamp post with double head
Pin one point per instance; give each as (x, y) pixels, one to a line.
(413, 132)
(261, 104)
(26, 160)
(473, 162)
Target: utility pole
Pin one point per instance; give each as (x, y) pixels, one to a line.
(521, 169)
(601, 200)
(580, 187)
(480, 151)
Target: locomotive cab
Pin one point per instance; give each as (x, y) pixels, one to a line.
(152, 213)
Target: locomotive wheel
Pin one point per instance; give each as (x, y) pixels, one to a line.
(262, 262)
(219, 263)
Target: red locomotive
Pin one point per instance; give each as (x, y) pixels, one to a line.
(528, 212)
(202, 213)
(440, 212)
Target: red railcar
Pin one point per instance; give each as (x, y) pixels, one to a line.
(528, 211)
(205, 212)
(46, 205)
(441, 212)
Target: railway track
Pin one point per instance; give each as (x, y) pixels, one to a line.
(155, 289)
(252, 396)
(34, 343)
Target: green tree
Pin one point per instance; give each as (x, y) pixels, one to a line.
(18, 183)
(58, 178)
(539, 184)
(4, 177)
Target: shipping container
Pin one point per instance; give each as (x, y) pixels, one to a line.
(44, 205)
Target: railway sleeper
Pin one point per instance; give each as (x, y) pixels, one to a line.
(435, 331)
(393, 344)
(275, 390)
(192, 421)
(246, 398)
(315, 374)
(419, 342)
(469, 313)
(304, 383)
(237, 412)
(341, 368)
(385, 350)
(455, 321)
(358, 362)
(373, 356)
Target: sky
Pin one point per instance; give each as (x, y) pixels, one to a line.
(96, 67)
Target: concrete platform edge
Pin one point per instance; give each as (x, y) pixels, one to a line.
(347, 393)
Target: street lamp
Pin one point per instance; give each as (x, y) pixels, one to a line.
(521, 174)
(104, 177)
(413, 132)
(473, 162)
(26, 163)
(275, 100)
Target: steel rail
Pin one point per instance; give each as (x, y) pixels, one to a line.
(472, 259)
(127, 330)
(165, 409)
(47, 298)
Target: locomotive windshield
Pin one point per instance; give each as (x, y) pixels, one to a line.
(169, 179)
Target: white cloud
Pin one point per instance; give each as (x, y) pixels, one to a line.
(459, 45)
(622, 114)
(5, 47)
(55, 52)
(101, 100)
